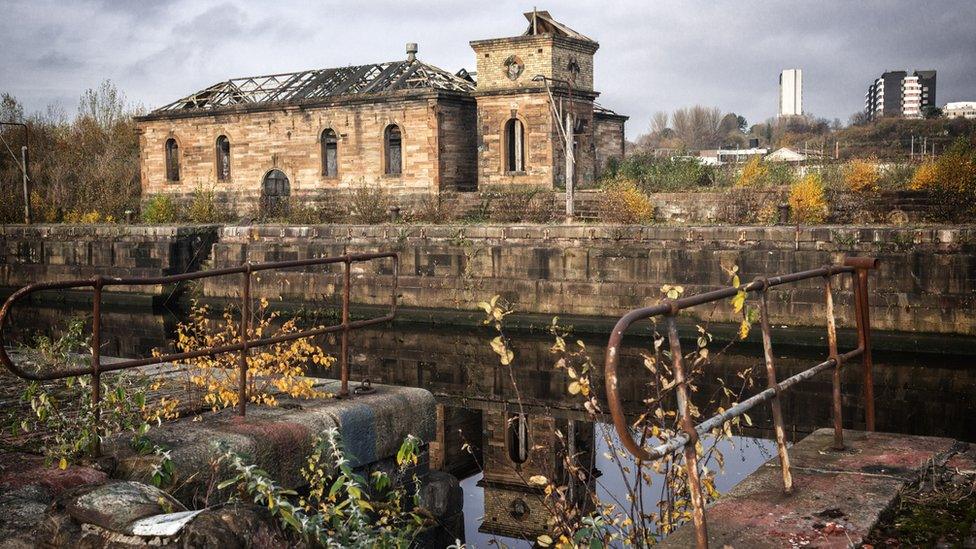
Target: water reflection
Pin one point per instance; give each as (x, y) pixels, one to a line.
(511, 439)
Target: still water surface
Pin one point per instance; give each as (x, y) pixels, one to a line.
(916, 393)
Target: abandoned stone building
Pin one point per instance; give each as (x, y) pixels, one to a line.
(405, 127)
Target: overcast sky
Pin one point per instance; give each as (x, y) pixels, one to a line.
(654, 55)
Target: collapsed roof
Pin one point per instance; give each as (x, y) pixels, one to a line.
(310, 86)
(540, 22)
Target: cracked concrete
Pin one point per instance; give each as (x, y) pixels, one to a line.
(838, 495)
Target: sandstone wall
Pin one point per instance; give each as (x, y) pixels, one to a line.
(49, 253)
(435, 149)
(926, 283)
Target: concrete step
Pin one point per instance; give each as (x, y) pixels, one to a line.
(837, 499)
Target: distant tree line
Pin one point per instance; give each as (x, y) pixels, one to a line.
(81, 168)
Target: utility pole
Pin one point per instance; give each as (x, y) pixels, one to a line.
(911, 155)
(24, 166)
(27, 204)
(570, 167)
(924, 146)
(836, 150)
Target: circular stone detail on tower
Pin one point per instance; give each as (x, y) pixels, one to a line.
(514, 67)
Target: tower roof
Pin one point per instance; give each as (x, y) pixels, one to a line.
(540, 22)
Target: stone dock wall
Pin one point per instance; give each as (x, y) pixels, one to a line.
(926, 282)
(51, 253)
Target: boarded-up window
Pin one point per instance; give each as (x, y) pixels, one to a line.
(223, 158)
(515, 146)
(172, 160)
(275, 191)
(330, 154)
(394, 150)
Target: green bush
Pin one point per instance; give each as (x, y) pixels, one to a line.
(652, 174)
(161, 208)
(205, 209)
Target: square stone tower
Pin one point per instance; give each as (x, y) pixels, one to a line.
(527, 87)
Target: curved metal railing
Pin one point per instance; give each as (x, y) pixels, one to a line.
(687, 438)
(98, 283)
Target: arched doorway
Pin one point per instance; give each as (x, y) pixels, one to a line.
(275, 190)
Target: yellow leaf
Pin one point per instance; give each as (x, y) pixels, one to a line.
(538, 480)
(574, 388)
(744, 329)
(544, 540)
(63, 464)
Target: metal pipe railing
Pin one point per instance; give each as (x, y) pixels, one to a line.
(98, 283)
(689, 433)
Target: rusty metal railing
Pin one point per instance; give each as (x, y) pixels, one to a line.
(689, 433)
(98, 283)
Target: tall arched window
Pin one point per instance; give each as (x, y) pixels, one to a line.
(514, 146)
(172, 160)
(223, 158)
(517, 435)
(393, 146)
(330, 154)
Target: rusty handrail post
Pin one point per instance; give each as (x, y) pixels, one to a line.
(784, 456)
(832, 349)
(860, 279)
(688, 426)
(96, 358)
(344, 347)
(245, 334)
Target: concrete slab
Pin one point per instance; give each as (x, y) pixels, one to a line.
(279, 439)
(837, 499)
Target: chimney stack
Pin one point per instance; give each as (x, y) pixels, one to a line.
(411, 52)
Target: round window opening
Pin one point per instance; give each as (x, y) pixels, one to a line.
(514, 67)
(518, 509)
(574, 70)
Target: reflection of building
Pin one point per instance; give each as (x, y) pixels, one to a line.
(898, 94)
(791, 92)
(405, 126)
(960, 109)
(518, 447)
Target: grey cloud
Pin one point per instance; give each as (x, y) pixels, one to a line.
(654, 55)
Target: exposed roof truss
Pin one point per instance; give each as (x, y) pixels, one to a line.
(300, 87)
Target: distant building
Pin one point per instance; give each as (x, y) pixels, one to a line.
(960, 109)
(898, 94)
(717, 157)
(785, 154)
(791, 92)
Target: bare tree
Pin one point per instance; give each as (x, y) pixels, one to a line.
(697, 127)
(659, 122)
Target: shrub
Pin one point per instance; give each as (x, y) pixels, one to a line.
(519, 205)
(370, 205)
(895, 176)
(314, 214)
(160, 208)
(88, 218)
(952, 181)
(807, 201)
(204, 208)
(652, 174)
(753, 173)
(280, 366)
(925, 176)
(437, 208)
(861, 175)
(624, 203)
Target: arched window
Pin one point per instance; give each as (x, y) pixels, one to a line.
(275, 190)
(393, 146)
(172, 160)
(330, 154)
(223, 158)
(518, 438)
(514, 146)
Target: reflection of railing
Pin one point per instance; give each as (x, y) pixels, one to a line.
(689, 433)
(97, 283)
